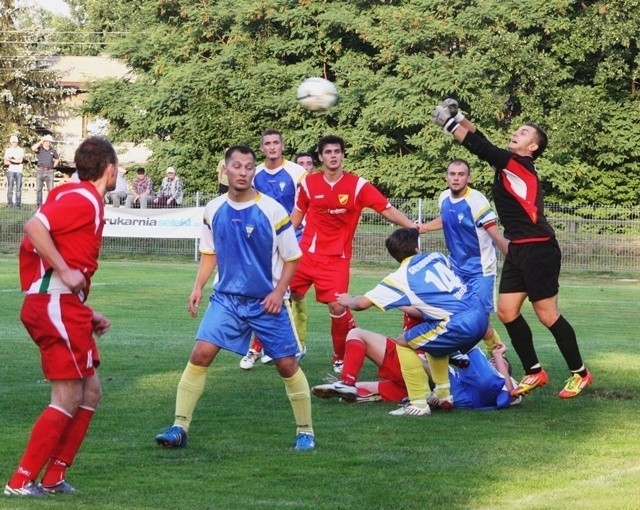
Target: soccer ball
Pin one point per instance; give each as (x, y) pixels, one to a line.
(317, 94)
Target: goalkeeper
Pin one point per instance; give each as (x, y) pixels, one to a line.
(532, 264)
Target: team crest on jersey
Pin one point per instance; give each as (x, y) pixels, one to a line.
(460, 217)
(282, 185)
(343, 199)
(248, 230)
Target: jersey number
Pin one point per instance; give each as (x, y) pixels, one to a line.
(442, 277)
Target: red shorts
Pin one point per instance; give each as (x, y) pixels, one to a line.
(329, 274)
(60, 325)
(391, 386)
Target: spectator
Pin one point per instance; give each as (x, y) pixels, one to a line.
(119, 194)
(141, 190)
(170, 193)
(13, 159)
(47, 161)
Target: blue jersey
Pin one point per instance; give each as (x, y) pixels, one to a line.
(251, 240)
(479, 386)
(427, 282)
(464, 221)
(454, 318)
(280, 184)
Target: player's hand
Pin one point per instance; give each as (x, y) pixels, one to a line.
(273, 302)
(194, 302)
(441, 115)
(343, 299)
(401, 341)
(100, 324)
(499, 348)
(73, 279)
(422, 228)
(452, 104)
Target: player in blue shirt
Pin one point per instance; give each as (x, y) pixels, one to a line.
(454, 318)
(471, 234)
(249, 237)
(279, 179)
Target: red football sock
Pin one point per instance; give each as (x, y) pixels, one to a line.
(44, 439)
(68, 446)
(257, 344)
(354, 354)
(340, 326)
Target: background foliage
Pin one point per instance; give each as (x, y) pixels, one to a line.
(28, 93)
(216, 72)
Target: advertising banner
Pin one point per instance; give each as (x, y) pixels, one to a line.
(179, 223)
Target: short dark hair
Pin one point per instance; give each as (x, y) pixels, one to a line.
(92, 158)
(304, 154)
(460, 161)
(242, 149)
(543, 140)
(268, 132)
(402, 243)
(140, 170)
(330, 140)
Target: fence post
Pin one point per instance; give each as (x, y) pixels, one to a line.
(195, 241)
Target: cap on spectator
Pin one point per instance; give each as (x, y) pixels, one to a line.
(140, 170)
(47, 138)
(13, 138)
(171, 170)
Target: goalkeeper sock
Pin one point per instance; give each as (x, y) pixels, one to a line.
(415, 378)
(440, 374)
(190, 389)
(297, 389)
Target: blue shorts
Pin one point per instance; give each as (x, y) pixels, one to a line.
(230, 320)
(485, 288)
(461, 332)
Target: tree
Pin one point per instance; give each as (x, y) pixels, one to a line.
(217, 72)
(28, 94)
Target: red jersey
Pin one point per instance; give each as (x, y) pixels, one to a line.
(74, 215)
(332, 211)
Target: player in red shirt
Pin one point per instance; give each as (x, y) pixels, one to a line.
(330, 201)
(58, 256)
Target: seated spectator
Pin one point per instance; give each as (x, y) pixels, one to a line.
(119, 194)
(141, 191)
(170, 192)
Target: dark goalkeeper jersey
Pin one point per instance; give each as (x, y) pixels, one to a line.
(516, 190)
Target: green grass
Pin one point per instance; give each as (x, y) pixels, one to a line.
(543, 454)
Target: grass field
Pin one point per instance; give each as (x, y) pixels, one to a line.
(543, 454)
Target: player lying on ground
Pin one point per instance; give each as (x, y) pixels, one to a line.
(481, 384)
(454, 318)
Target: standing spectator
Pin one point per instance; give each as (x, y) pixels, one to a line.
(470, 231)
(279, 179)
(249, 237)
(330, 202)
(119, 194)
(305, 160)
(47, 161)
(13, 160)
(532, 265)
(58, 257)
(170, 192)
(141, 190)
